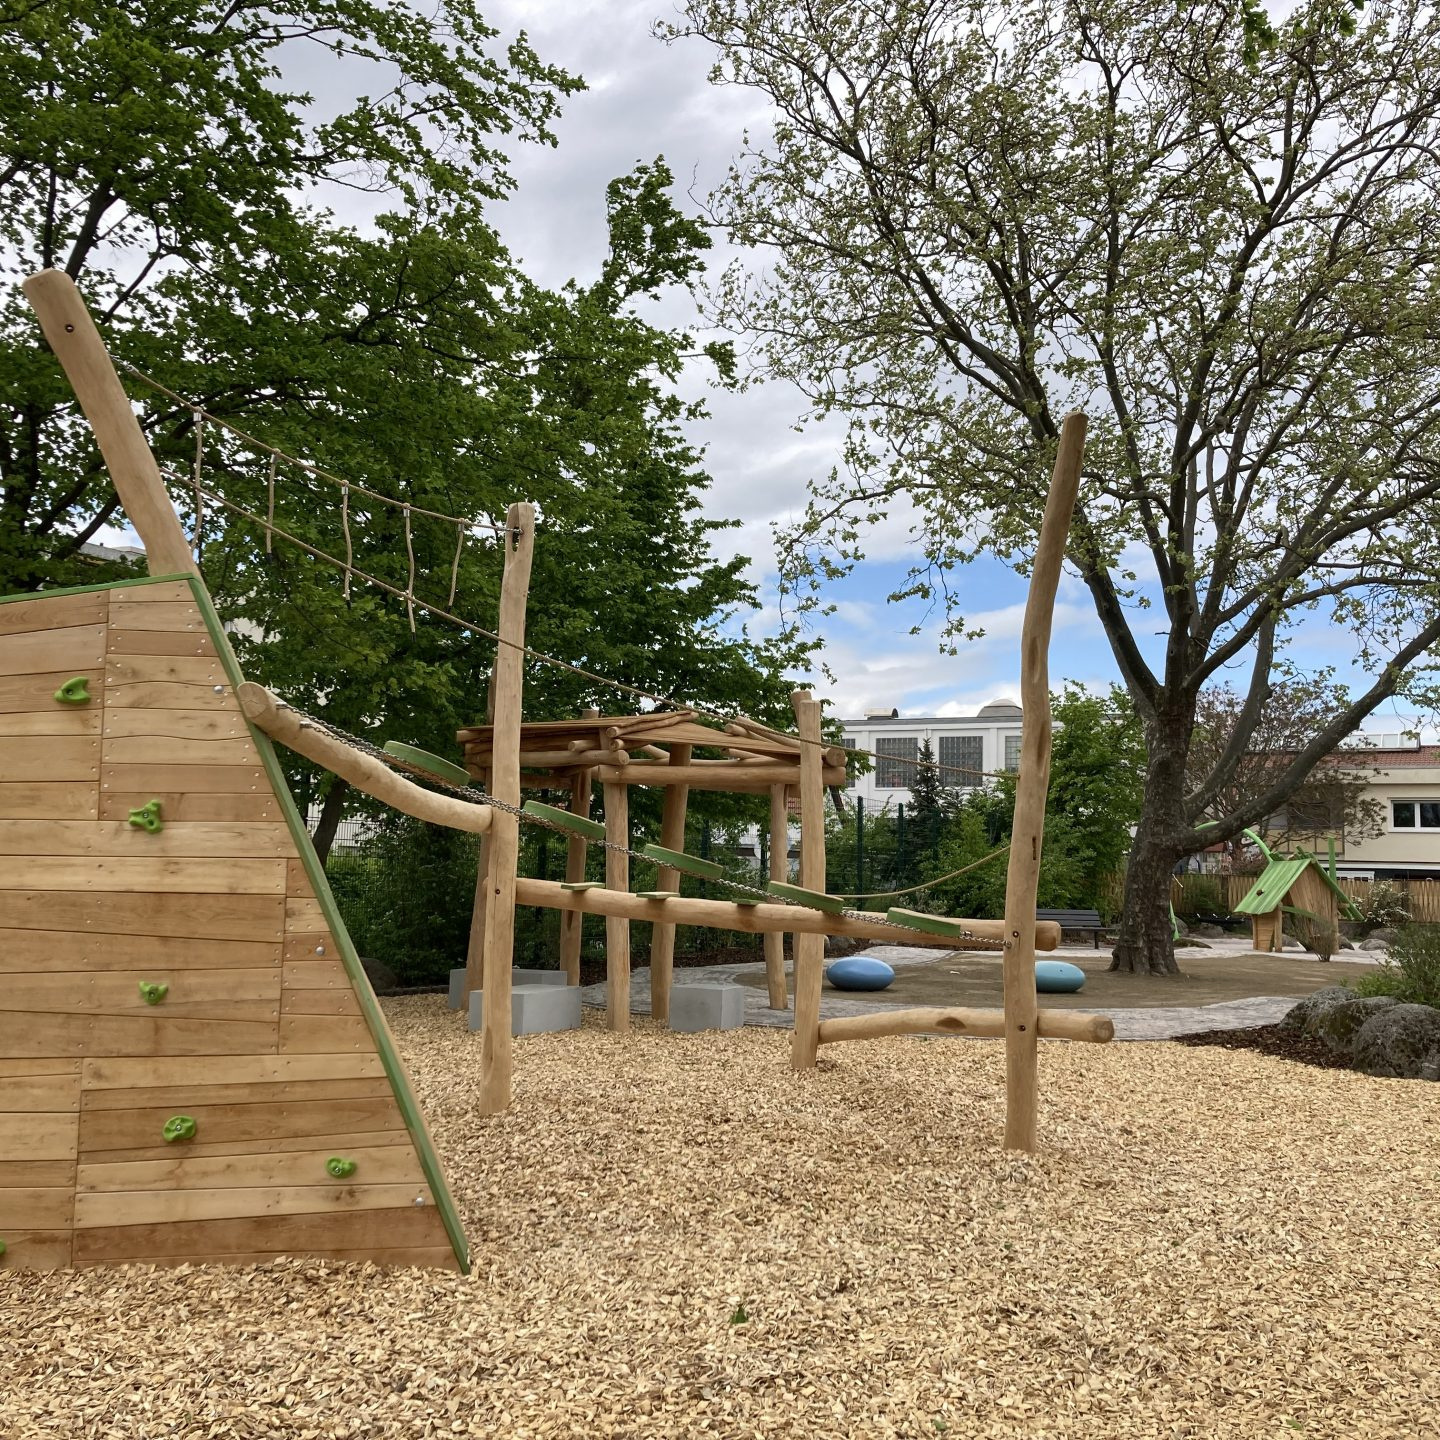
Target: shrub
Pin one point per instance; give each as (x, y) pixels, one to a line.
(1412, 972)
(1383, 906)
(1200, 895)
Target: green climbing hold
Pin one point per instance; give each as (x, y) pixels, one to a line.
(339, 1168)
(74, 691)
(815, 899)
(434, 765)
(576, 824)
(679, 860)
(179, 1127)
(147, 818)
(152, 992)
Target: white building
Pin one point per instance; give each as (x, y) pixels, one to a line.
(970, 747)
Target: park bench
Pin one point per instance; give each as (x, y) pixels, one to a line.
(1074, 920)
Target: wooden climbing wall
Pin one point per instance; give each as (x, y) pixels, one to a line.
(268, 1036)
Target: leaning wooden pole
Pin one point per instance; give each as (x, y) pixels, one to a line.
(82, 355)
(504, 841)
(1031, 787)
(617, 927)
(779, 870)
(662, 936)
(809, 948)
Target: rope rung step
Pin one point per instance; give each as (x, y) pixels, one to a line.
(679, 860)
(932, 924)
(427, 763)
(815, 899)
(577, 824)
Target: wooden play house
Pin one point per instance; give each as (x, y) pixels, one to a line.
(1300, 892)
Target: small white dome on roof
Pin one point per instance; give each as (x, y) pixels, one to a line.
(1000, 710)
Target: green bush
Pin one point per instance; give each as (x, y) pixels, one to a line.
(1200, 895)
(1412, 972)
(1383, 906)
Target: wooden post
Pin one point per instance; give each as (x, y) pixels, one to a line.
(507, 688)
(617, 927)
(662, 935)
(1031, 787)
(82, 354)
(779, 870)
(809, 949)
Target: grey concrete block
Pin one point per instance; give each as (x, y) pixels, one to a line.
(534, 1009)
(457, 989)
(520, 977)
(707, 1007)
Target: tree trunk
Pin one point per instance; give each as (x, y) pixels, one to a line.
(331, 813)
(1147, 933)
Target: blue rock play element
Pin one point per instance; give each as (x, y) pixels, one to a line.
(859, 972)
(1055, 977)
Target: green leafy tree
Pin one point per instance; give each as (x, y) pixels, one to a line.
(932, 802)
(1212, 231)
(159, 154)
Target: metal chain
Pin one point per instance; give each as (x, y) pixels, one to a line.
(470, 793)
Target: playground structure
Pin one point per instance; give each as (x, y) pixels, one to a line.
(1298, 890)
(198, 1068)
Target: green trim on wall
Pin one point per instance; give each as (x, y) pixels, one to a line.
(399, 1083)
(89, 589)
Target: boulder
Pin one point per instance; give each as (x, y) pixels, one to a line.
(1338, 1025)
(380, 975)
(1315, 1004)
(1205, 931)
(1375, 945)
(1384, 933)
(1402, 1041)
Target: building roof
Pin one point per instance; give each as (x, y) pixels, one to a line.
(1003, 711)
(1415, 757)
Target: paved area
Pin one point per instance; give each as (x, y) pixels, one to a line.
(1158, 1023)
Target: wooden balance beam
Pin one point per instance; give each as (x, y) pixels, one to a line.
(1052, 1025)
(757, 919)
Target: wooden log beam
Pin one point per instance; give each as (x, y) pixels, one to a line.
(754, 919)
(1032, 785)
(662, 936)
(282, 724)
(81, 352)
(1052, 1024)
(779, 870)
(809, 947)
(617, 927)
(714, 775)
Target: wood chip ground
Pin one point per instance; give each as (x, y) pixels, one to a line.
(674, 1236)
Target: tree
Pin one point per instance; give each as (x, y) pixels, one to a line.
(932, 802)
(156, 152)
(1222, 246)
(1334, 801)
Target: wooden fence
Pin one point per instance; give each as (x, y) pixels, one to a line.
(1190, 894)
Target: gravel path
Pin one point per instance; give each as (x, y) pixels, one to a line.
(1157, 1023)
(677, 1237)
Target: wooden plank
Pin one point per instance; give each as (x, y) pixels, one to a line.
(140, 1207)
(310, 948)
(200, 808)
(49, 758)
(138, 1073)
(159, 592)
(37, 1174)
(164, 750)
(324, 1034)
(158, 642)
(71, 648)
(37, 692)
(57, 720)
(193, 839)
(274, 1093)
(167, 695)
(123, 670)
(157, 875)
(319, 1002)
(407, 1226)
(49, 1093)
(418, 1257)
(208, 724)
(49, 800)
(338, 1142)
(384, 1165)
(23, 1069)
(85, 1035)
(37, 1250)
(221, 1125)
(38, 1135)
(36, 1208)
(209, 917)
(179, 615)
(304, 917)
(208, 994)
(54, 612)
(195, 778)
(23, 951)
(315, 975)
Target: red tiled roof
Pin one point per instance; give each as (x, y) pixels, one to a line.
(1409, 759)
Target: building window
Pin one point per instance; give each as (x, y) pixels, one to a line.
(895, 757)
(962, 758)
(1012, 752)
(1415, 814)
